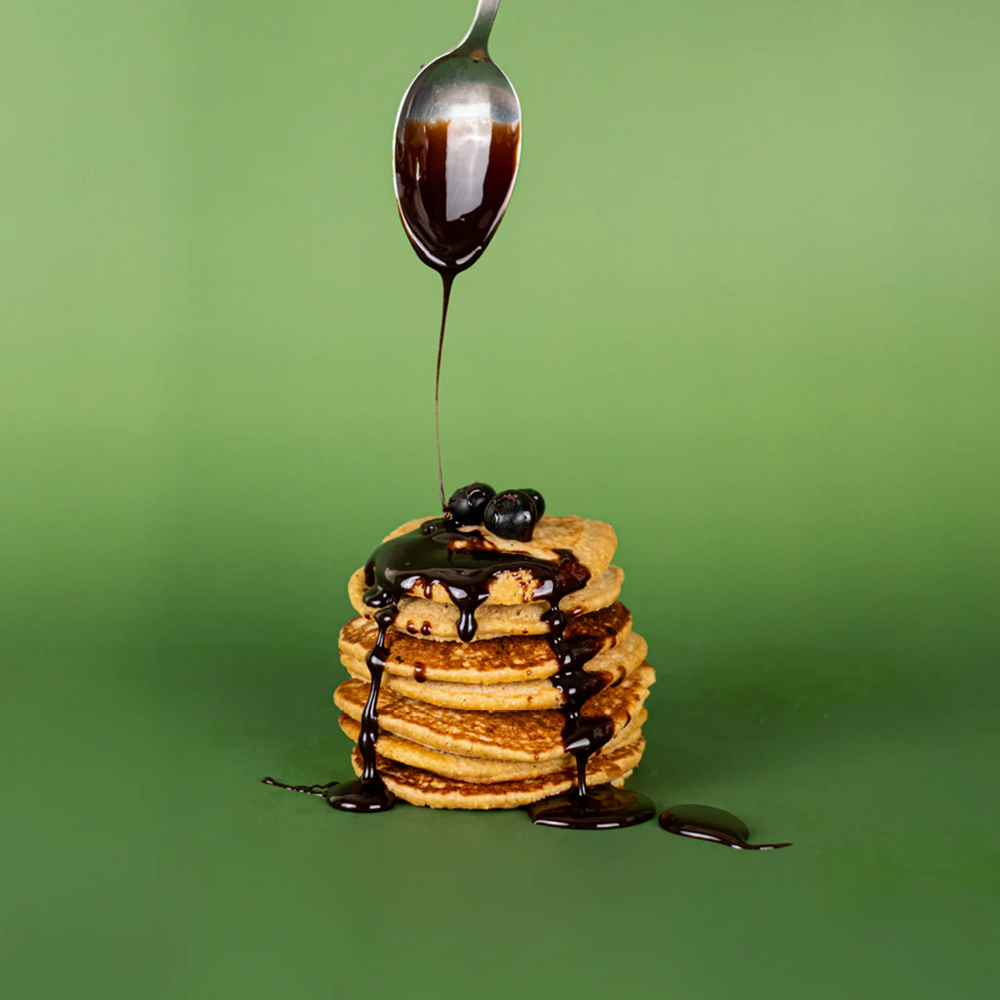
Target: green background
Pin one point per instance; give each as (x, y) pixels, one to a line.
(744, 306)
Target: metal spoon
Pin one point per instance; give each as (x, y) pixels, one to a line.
(456, 147)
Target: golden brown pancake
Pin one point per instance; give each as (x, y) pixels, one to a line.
(421, 788)
(477, 769)
(613, 664)
(490, 661)
(523, 736)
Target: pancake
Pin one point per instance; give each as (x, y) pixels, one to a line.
(476, 769)
(593, 543)
(436, 620)
(491, 661)
(421, 788)
(521, 736)
(614, 664)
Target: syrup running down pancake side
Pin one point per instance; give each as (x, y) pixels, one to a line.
(465, 563)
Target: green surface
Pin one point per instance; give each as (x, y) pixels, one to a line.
(744, 306)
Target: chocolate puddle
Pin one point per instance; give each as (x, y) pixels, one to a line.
(715, 825)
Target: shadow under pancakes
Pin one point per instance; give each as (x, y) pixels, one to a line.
(744, 715)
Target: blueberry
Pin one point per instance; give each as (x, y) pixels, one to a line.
(467, 505)
(512, 515)
(539, 500)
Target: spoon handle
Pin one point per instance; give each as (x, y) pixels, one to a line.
(478, 35)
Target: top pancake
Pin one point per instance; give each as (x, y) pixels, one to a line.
(592, 543)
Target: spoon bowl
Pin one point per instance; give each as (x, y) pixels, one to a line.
(456, 147)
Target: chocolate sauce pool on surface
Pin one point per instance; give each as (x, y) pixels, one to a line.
(602, 808)
(709, 823)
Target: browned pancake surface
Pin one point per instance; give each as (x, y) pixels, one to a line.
(422, 788)
(478, 769)
(491, 661)
(437, 620)
(524, 736)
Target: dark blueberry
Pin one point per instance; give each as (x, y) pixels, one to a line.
(468, 504)
(539, 500)
(511, 514)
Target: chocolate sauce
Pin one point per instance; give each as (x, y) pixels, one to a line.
(368, 793)
(582, 736)
(447, 277)
(715, 825)
(319, 790)
(604, 807)
(453, 181)
(601, 808)
(464, 563)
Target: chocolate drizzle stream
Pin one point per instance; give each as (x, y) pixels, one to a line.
(368, 793)
(430, 169)
(447, 277)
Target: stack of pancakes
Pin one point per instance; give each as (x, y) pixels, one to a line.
(479, 725)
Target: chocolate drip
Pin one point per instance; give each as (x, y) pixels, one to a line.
(709, 823)
(464, 563)
(447, 277)
(318, 790)
(582, 736)
(604, 807)
(368, 793)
